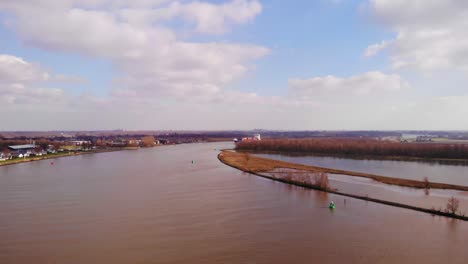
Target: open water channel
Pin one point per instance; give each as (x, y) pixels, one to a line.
(155, 206)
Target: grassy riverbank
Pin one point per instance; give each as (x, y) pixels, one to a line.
(251, 163)
(262, 166)
(53, 156)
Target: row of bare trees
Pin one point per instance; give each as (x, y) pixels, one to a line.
(358, 147)
(318, 179)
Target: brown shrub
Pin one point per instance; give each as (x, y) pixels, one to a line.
(358, 147)
(427, 185)
(288, 176)
(321, 180)
(308, 179)
(247, 159)
(452, 205)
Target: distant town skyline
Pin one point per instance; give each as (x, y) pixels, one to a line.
(233, 64)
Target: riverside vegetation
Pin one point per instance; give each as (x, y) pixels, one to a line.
(317, 178)
(359, 148)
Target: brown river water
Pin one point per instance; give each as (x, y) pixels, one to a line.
(155, 206)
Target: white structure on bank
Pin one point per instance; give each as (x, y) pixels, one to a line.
(255, 137)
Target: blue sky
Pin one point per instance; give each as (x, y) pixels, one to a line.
(97, 73)
(241, 64)
(316, 38)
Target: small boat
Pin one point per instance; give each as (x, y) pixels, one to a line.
(332, 205)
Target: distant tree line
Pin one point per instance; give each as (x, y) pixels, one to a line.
(358, 147)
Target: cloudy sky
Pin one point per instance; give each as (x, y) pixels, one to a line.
(233, 64)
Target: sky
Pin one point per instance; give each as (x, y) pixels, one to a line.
(233, 64)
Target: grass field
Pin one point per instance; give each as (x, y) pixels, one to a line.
(29, 159)
(54, 155)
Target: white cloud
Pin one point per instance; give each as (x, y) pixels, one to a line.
(172, 80)
(434, 113)
(207, 18)
(365, 84)
(151, 58)
(374, 49)
(157, 71)
(60, 4)
(211, 18)
(19, 80)
(20, 94)
(430, 34)
(15, 69)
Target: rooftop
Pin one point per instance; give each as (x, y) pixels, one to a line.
(18, 147)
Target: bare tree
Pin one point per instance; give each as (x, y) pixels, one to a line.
(6, 151)
(359, 147)
(321, 180)
(308, 178)
(288, 176)
(247, 157)
(427, 185)
(148, 141)
(452, 205)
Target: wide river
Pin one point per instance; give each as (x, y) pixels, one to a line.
(155, 206)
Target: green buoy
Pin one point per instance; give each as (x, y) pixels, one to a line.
(332, 205)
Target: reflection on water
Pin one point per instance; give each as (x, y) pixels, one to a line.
(155, 206)
(435, 198)
(424, 161)
(436, 172)
(322, 197)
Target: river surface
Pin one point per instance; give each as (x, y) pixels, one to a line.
(155, 206)
(415, 170)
